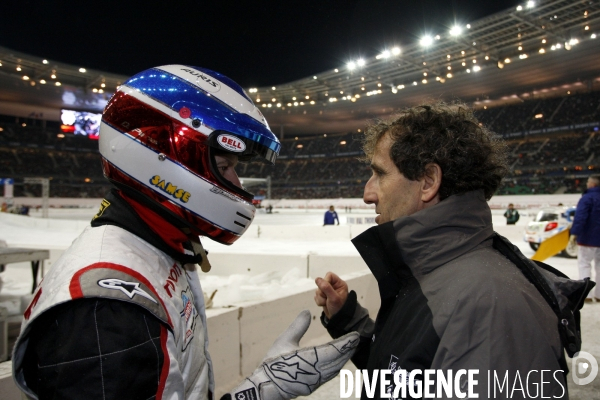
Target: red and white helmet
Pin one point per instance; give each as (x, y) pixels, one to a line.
(160, 132)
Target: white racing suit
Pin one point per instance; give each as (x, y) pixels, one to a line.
(108, 262)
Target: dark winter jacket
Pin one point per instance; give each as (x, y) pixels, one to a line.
(586, 224)
(450, 301)
(512, 216)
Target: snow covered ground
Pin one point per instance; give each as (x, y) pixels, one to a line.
(285, 232)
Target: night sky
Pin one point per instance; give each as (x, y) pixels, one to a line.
(257, 43)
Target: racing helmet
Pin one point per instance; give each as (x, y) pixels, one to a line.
(160, 133)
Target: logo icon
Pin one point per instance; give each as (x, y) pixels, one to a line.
(231, 143)
(584, 367)
(129, 288)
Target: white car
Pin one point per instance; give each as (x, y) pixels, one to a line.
(547, 223)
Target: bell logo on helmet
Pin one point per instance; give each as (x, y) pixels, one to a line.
(211, 85)
(231, 143)
(170, 189)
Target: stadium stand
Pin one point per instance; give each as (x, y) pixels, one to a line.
(553, 144)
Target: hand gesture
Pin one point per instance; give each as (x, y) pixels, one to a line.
(331, 293)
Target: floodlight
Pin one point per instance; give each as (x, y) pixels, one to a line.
(456, 30)
(396, 51)
(360, 62)
(82, 70)
(476, 68)
(385, 54)
(530, 4)
(426, 41)
(351, 65)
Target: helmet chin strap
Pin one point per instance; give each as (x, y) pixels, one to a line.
(198, 249)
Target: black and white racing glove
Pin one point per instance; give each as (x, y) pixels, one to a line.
(289, 371)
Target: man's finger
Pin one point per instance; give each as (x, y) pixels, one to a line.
(326, 288)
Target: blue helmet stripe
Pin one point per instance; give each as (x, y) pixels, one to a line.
(176, 93)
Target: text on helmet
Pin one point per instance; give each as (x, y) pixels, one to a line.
(231, 143)
(169, 188)
(214, 84)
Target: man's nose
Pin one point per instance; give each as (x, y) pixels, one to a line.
(369, 195)
(233, 178)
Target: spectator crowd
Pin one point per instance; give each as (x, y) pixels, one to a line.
(554, 143)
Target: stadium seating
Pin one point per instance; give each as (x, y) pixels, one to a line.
(553, 144)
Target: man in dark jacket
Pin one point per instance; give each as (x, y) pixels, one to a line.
(586, 230)
(511, 215)
(451, 300)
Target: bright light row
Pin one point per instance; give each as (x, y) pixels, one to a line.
(530, 4)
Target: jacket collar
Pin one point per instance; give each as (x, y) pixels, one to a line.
(417, 244)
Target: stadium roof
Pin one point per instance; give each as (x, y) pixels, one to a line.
(537, 46)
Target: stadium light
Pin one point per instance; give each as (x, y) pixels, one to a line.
(44, 61)
(43, 81)
(455, 30)
(593, 36)
(351, 65)
(519, 8)
(384, 54)
(426, 41)
(360, 62)
(530, 4)
(25, 78)
(476, 68)
(396, 51)
(82, 70)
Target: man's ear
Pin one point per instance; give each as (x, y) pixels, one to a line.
(430, 184)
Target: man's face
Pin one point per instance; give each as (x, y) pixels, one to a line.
(591, 183)
(226, 164)
(392, 193)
